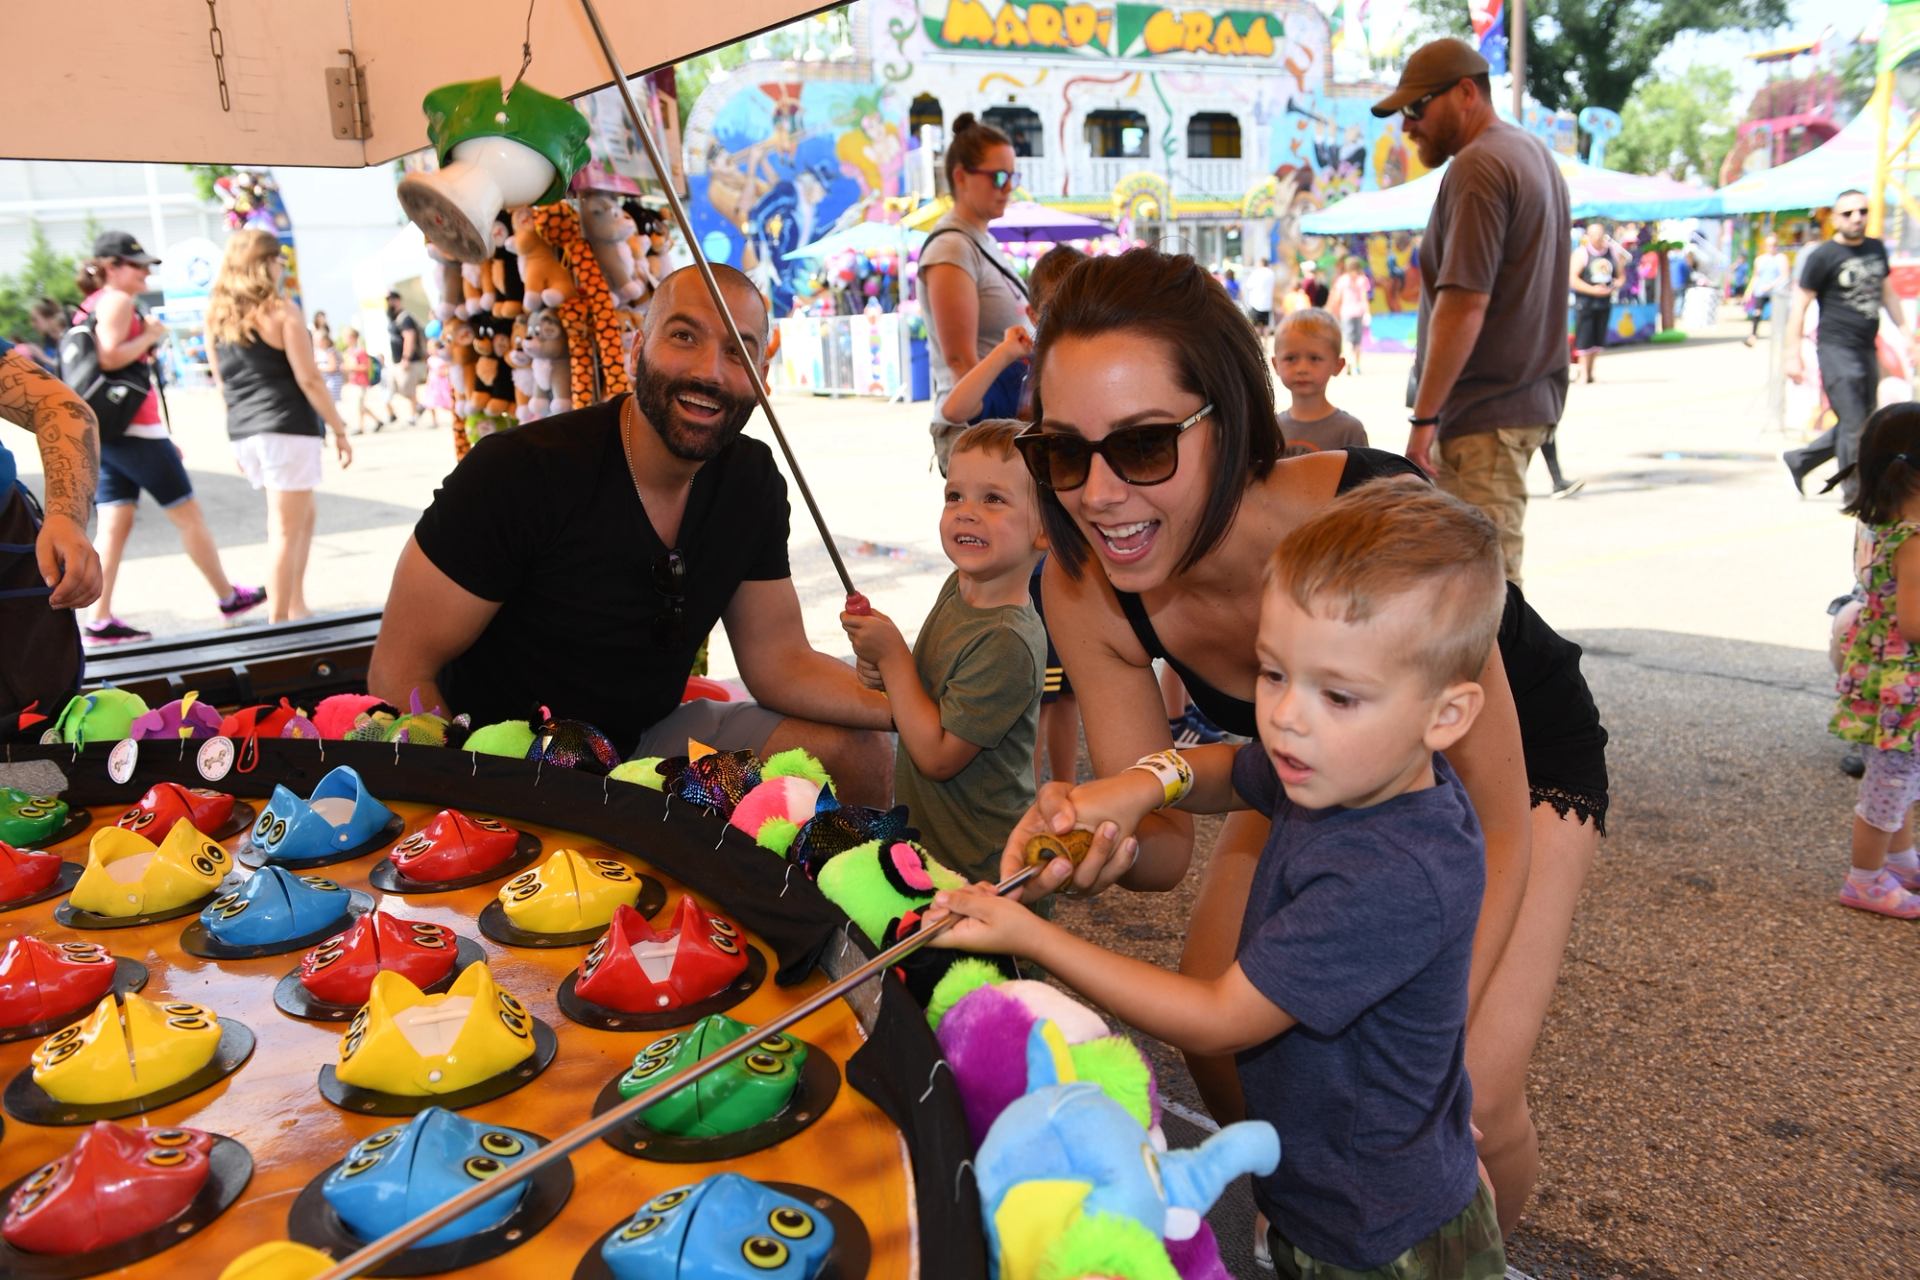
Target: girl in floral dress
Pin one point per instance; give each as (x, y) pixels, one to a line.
(1879, 684)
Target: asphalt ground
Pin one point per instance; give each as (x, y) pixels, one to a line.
(1719, 1087)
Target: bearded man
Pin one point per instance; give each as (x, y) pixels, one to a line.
(578, 562)
(1494, 264)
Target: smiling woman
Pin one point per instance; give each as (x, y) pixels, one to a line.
(1161, 516)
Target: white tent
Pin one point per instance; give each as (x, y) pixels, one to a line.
(136, 80)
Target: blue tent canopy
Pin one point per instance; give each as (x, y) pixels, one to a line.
(1812, 181)
(864, 237)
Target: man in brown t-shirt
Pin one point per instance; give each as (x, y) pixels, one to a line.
(1493, 289)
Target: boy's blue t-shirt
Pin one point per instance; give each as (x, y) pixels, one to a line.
(1360, 925)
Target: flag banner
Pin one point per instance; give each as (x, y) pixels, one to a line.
(1490, 32)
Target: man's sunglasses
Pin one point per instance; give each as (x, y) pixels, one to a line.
(670, 580)
(1418, 107)
(1002, 178)
(1145, 454)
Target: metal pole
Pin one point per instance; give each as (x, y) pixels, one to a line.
(664, 172)
(1517, 58)
(396, 1240)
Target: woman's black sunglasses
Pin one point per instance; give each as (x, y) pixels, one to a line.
(1145, 454)
(1002, 178)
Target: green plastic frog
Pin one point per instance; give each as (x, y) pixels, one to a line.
(747, 1091)
(26, 820)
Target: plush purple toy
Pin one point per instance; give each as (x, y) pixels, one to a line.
(185, 717)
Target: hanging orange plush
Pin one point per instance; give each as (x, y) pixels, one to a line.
(590, 318)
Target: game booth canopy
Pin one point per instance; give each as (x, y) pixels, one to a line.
(335, 987)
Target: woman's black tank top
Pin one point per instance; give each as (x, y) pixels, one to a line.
(262, 394)
(1538, 659)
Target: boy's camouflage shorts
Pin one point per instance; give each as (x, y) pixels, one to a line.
(1466, 1248)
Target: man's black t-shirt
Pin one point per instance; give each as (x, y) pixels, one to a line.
(1849, 281)
(545, 520)
(397, 327)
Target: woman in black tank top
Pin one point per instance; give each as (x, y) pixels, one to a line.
(1174, 569)
(278, 406)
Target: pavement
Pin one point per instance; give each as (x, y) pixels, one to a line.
(1718, 1085)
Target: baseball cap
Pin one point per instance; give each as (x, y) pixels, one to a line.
(122, 245)
(1438, 64)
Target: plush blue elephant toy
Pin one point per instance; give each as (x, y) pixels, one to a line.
(1066, 1151)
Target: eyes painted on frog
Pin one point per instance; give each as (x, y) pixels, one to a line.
(494, 1148)
(762, 1228)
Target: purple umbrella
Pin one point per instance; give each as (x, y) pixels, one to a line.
(1025, 220)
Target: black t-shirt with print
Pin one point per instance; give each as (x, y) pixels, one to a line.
(544, 519)
(1849, 281)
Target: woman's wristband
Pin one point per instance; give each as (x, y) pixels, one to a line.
(1173, 773)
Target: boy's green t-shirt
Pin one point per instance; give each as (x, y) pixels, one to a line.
(984, 667)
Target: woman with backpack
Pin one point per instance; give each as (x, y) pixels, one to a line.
(277, 403)
(140, 455)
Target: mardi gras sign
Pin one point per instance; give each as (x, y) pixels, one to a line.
(1116, 31)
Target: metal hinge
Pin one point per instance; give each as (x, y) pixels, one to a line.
(347, 100)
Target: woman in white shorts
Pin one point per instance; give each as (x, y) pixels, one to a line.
(278, 407)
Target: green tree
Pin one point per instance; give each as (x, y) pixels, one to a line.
(1679, 124)
(46, 273)
(1591, 53)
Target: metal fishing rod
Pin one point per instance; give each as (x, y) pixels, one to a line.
(398, 1239)
(680, 218)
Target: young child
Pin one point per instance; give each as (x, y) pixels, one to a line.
(1880, 668)
(359, 369)
(1377, 615)
(967, 696)
(969, 400)
(1306, 355)
(1352, 305)
(1058, 748)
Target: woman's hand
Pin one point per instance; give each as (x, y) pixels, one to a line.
(342, 447)
(1109, 807)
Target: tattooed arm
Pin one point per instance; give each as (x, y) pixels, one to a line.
(70, 454)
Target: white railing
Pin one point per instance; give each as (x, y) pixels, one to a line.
(1040, 175)
(1211, 179)
(1103, 174)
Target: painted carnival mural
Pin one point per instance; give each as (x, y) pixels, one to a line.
(775, 162)
(1163, 120)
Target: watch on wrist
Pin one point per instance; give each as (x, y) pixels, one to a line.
(1433, 421)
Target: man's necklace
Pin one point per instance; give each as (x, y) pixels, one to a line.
(626, 447)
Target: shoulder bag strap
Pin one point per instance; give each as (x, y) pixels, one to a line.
(1019, 285)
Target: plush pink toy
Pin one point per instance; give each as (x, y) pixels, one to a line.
(793, 788)
(336, 716)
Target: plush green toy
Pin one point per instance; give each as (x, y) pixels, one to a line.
(876, 884)
(508, 738)
(643, 772)
(104, 715)
(967, 976)
(795, 763)
(1110, 1246)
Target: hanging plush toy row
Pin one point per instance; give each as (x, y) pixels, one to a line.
(540, 296)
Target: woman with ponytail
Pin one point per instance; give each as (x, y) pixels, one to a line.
(969, 289)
